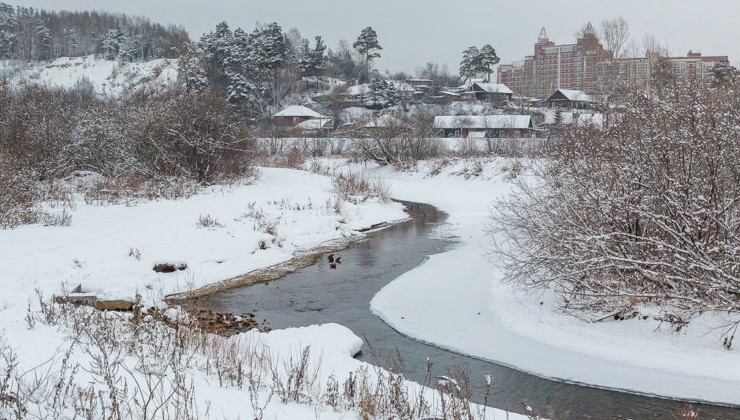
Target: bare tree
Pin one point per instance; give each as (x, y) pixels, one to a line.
(651, 45)
(643, 213)
(615, 33)
(399, 141)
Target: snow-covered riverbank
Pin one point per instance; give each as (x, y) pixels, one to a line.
(220, 233)
(486, 318)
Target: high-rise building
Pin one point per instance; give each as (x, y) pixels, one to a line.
(588, 66)
(552, 67)
(638, 72)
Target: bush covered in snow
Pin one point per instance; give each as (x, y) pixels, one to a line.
(645, 212)
(142, 141)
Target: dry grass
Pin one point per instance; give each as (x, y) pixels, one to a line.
(357, 187)
(134, 366)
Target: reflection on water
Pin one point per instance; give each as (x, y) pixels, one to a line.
(319, 294)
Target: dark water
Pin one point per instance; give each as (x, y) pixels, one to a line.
(319, 294)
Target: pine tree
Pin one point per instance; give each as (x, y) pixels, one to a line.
(128, 48)
(367, 45)
(488, 59)
(8, 30)
(111, 43)
(342, 62)
(723, 74)
(557, 123)
(471, 63)
(191, 69)
(269, 47)
(312, 61)
(383, 92)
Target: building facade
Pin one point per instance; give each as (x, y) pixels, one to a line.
(588, 66)
(637, 72)
(552, 67)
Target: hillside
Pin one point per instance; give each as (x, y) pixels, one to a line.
(109, 78)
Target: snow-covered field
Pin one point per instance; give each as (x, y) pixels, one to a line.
(107, 77)
(229, 230)
(489, 319)
(110, 251)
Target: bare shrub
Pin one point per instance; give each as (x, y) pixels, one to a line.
(206, 221)
(144, 145)
(646, 211)
(356, 186)
(142, 367)
(398, 142)
(17, 196)
(687, 412)
(133, 189)
(197, 136)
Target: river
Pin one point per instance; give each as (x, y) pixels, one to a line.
(320, 294)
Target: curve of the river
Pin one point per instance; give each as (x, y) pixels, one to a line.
(320, 294)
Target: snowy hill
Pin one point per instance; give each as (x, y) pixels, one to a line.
(108, 78)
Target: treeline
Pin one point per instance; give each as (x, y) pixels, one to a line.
(254, 70)
(29, 34)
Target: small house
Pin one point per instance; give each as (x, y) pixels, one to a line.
(295, 114)
(493, 126)
(496, 93)
(315, 127)
(570, 99)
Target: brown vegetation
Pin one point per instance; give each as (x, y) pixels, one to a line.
(646, 211)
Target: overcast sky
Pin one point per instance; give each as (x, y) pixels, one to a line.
(413, 32)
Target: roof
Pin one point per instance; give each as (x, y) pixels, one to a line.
(313, 124)
(483, 121)
(384, 121)
(494, 88)
(364, 89)
(299, 111)
(402, 86)
(574, 95)
(358, 90)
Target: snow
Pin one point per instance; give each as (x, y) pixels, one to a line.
(384, 121)
(492, 320)
(494, 88)
(97, 252)
(482, 121)
(359, 90)
(355, 114)
(577, 118)
(402, 86)
(108, 77)
(484, 316)
(299, 111)
(314, 124)
(576, 95)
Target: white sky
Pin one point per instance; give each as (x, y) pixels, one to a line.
(413, 32)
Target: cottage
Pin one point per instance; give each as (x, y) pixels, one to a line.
(315, 127)
(386, 125)
(493, 126)
(295, 114)
(492, 92)
(569, 99)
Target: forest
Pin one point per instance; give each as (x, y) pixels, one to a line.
(29, 34)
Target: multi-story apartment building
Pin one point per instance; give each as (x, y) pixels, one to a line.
(567, 66)
(588, 66)
(637, 72)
